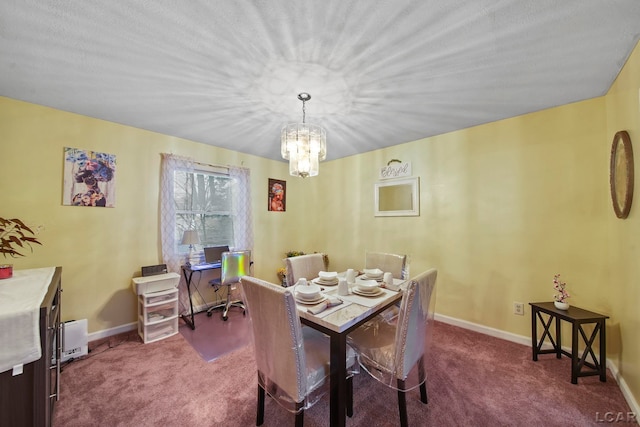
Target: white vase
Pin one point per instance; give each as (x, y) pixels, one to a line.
(561, 305)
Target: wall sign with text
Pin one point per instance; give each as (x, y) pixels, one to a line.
(395, 169)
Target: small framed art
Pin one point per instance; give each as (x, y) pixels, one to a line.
(277, 195)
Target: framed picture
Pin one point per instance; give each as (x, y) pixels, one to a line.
(277, 195)
(89, 178)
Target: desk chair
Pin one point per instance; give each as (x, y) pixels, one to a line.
(307, 266)
(234, 266)
(389, 351)
(396, 264)
(292, 361)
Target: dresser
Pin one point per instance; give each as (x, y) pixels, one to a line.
(28, 399)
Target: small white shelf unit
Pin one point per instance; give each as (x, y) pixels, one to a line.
(158, 315)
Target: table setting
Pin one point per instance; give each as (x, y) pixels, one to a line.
(331, 291)
(309, 295)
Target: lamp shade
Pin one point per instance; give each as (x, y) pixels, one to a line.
(190, 237)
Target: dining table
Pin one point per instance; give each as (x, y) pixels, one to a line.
(337, 322)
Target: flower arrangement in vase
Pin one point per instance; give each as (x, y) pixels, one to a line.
(561, 295)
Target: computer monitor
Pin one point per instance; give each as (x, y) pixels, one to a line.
(213, 254)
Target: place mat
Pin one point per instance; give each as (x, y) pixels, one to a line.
(365, 301)
(325, 312)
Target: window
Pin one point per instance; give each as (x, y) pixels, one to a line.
(204, 202)
(214, 200)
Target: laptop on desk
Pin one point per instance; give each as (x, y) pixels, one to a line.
(213, 254)
(212, 258)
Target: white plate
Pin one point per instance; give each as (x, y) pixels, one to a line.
(311, 302)
(322, 282)
(368, 290)
(367, 294)
(328, 275)
(367, 283)
(373, 272)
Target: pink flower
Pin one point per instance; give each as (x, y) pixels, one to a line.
(559, 286)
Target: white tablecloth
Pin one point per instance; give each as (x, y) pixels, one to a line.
(20, 300)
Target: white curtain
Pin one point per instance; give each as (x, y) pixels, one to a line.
(242, 217)
(170, 164)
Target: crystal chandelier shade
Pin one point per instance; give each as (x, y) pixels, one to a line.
(303, 144)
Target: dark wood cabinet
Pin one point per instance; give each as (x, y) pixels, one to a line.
(28, 399)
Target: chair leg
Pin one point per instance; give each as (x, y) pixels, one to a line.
(423, 380)
(402, 404)
(350, 397)
(300, 419)
(260, 414)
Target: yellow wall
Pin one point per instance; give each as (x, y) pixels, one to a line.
(619, 287)
(101, 249)
(504, 207)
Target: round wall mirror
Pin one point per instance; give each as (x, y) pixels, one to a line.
(621, 174)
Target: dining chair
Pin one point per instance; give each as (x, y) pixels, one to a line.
(307, 266)
(391, 352)
(234, 265)
(387, 262)
(292, 362)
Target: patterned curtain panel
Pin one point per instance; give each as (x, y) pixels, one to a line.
(170, 163)
(242, 217)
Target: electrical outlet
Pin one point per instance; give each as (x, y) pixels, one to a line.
(518, 308)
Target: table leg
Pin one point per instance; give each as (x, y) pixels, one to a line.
(574, 353)
(189, 320)
(338, 380)
(603, 351)
(534, 333)
(558, 338)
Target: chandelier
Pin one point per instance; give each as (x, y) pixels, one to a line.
(304, 145)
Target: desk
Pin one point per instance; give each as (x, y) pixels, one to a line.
(577, 317)
(187, 271)
(337, 326)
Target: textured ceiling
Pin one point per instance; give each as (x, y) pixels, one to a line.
(380, 72)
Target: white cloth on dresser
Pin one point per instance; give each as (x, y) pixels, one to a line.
(20, 300)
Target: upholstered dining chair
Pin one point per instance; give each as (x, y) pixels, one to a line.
(234, 265)
(391, 352)
(293, 362)
(307, 266)
(396, 264)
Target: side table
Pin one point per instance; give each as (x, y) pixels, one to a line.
(577, 317)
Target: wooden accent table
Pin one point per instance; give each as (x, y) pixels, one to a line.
(577, 317)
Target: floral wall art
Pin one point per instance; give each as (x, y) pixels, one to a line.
(89, 178)
(277, 195)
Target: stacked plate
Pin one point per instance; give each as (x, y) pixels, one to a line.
(308, 294)
(373, 274)
(367, 288)
(326, 278)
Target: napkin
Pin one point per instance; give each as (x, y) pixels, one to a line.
(329, 302)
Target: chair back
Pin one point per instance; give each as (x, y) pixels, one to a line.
(396, 264)
(414, 321)
(278, 340)
(307, 266)
(235, 264)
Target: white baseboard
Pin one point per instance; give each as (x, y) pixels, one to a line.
(521, 339)
(106, 333)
